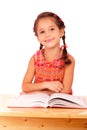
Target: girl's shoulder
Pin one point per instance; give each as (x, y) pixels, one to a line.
(38, 54)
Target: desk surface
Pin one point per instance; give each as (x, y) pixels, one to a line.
(39, 112)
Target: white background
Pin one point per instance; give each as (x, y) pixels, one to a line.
(18, 43)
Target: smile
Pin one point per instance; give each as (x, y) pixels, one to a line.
(49, 40)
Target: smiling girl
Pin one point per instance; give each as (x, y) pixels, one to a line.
(51, 68)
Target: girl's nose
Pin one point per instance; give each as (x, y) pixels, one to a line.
(47, 33)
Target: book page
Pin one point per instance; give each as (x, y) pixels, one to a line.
(33, 99)
(67, 100)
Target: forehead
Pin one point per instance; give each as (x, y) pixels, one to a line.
(46, 22)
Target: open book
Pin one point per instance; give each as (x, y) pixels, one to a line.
(40, 99)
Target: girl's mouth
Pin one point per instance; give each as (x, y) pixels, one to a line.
(49, 40)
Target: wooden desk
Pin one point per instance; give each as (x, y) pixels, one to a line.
(41, 118)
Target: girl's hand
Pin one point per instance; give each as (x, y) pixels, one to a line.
(55, 86)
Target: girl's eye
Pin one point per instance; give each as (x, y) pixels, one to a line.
(52, 29)
(42, 32)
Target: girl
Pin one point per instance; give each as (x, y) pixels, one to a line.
(51, 68)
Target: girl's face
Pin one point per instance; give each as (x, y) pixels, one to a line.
(48, 33)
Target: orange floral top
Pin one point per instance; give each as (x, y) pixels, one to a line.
(48, 71)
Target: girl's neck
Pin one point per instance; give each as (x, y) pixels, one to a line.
(51, 54)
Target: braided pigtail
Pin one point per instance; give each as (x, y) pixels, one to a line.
(64, 54)
(41, 46)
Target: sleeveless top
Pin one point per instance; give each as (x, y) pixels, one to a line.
(48, 71)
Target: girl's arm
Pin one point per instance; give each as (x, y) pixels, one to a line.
(68, 77)
(27, 85)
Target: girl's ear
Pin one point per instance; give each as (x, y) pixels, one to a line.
(61, 32)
